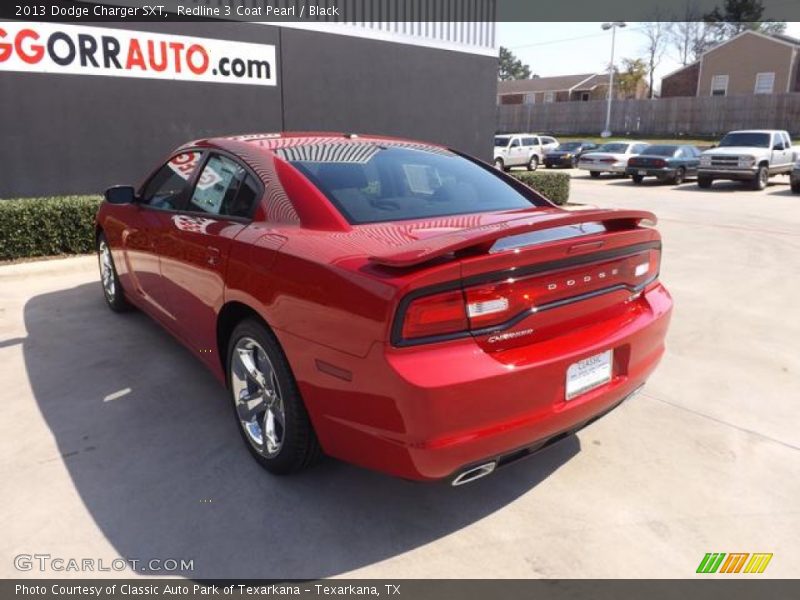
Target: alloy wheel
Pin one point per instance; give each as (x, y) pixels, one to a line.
(257, 397)
(107, 270)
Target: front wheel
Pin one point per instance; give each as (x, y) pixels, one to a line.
(266, 402)
(761, 180)
(594, 174)
(499, 164)
(704, 182)
(637, 178)
(533, 163)
(795, 187)
(112, 290)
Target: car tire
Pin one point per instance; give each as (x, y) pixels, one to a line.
(679, 176)
(280, 437)
(533, 163)
(594, 174)
(548, 165)
(499, 164)
(637, 179)
(704, 182)
(796, 187)
(761, 179)
(109, 280)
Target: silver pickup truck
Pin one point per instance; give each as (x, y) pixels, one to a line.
(751, 155)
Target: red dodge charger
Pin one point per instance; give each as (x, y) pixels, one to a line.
(394, 304)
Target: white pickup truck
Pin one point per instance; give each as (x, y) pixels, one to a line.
(751, 155)
(522, 150)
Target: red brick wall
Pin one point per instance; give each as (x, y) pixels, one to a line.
(512, 98)
(682, 83)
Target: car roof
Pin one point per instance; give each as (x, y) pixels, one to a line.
(758, 131)
(268, 143)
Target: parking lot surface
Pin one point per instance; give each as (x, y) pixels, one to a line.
(115, 442)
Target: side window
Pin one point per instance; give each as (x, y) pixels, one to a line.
(787, 141)
(515, 143)
(220, 188)
(637, 148)
(165, 188)
(528, 141)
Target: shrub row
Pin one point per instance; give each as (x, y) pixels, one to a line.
(47, 226)
(551, 184)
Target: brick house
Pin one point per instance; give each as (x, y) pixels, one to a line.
(562, 88)
(749, 63)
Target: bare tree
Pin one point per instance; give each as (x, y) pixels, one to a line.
(688, 35)
(656, 32)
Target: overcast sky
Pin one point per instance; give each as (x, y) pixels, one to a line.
(571, 48)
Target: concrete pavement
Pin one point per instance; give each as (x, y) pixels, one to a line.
(114, 441)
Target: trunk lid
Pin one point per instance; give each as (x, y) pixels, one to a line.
(542, 273)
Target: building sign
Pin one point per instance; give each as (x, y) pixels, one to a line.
(77, 50)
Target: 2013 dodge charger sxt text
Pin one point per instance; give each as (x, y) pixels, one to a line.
(392, 303)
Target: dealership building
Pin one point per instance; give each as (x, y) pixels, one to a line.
(85, 105)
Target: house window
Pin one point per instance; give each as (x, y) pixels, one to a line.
(530, 98)
(549, 96)
(584, 96)
(719, 85)
(765, 82)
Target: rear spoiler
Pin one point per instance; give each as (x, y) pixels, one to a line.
(421, 251)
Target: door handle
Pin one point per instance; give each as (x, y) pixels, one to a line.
(212, 254)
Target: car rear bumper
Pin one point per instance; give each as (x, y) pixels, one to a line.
(662, 173)
(428, 412)
(604, 167)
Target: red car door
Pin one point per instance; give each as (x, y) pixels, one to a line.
(195, 249)
(146, 224)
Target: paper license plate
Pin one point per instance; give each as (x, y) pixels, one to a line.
(588, 374)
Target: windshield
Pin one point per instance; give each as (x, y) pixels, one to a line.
(753, 140)
(371, 183)
(570, 146)
(614, 148)
(501, 141)
(660, 150)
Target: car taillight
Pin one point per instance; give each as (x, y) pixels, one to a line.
(491, 304)
(659, 163)
(632, 161)
(439, 314)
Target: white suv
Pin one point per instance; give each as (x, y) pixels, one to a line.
(522, 150)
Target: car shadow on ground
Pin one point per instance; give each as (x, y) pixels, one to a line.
(149, 441)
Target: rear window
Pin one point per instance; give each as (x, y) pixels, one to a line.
(660, 150)
(370, 183)
(501, 142)
(613, 148)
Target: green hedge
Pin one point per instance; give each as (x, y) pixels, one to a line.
(551, 184)
(47, 226)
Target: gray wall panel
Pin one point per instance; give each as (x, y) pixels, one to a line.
(341, 83)
(65, 134)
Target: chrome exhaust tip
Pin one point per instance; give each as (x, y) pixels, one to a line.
(474, 473)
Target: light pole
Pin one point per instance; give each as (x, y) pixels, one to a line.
(613, 27)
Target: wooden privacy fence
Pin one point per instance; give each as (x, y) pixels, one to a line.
(694, 116)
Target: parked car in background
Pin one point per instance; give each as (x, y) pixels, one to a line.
(667, 162)
(522, 150)
(795, 178)
(611, 157)
(388, 302)
(567, 154)
(751, 155)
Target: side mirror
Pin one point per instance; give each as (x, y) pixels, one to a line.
(121, 194)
